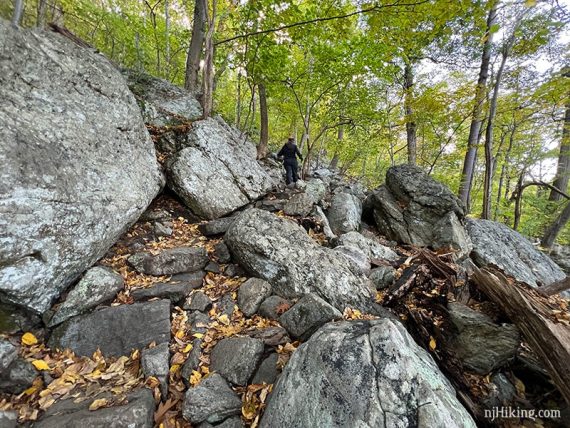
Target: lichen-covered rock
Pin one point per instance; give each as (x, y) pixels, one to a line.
(307, 315)
(415, 209)
(382, 276)
(170, 261)
(359, 259)
(236, 358)
(344, 213)
(497, 244)
(98, 285)
(155, 362)
(282, 253)
(8, 353)
(251, 294)
(373, 250)
(78, 165)
(115, 330)
(213, 175)
(363, 374)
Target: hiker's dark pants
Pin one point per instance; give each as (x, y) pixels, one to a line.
(291, 168)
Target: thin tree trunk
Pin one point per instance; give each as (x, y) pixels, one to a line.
(264, 137)
(563, 169)
(167, 36)
(339, 138)
(208, 75)
(306, 124)
(195, 49)
(18, 10)
(42, 14)
(557, 225)
(238, 101)
(411, 126)
(506, 162)
(474, 130)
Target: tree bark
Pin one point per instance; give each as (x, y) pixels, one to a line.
(208, 74)
(557, 225)
(555, 287)
(264, 137)
(18, 10)
(167, 35)
(42, 14)
(477, 119)
(563, 169)
(195, 48)
(411, 126)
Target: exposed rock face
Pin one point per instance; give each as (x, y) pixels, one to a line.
(17, 376)
(480, 344)
(236, 358)
(8, 353)
(65, 112)
(98, 285)
(382, 276)
(357, 257)
(415, 209)
(215, 175)
(171, 261)
(365, 374)
(282, 253)
(251, 294)
(495, 243)
(307, 315)
(216, 227)
(155, 362)
(344, 213)
(211, 401)
(372, 249)
(138, 412)
(115, 330)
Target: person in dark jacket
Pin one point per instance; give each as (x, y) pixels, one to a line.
(290, 152)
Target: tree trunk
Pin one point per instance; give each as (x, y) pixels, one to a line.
(411, 126)
(477, 119)
(208, 75)
(264, 138)
(554, 229)
(563, 169)
(489, 167)
(42, 14)
(167, 36)
(506, 162)
(18, 10)
(306, 124)
(195, 48)
(339, 138)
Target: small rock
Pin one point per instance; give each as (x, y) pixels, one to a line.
(115, 330)
(233, 422)
(18, 376)
(98, 285)
(271, 336)
(320, 216)
(502, 391)
(307, 315)
(222, 253)
(160, 229)
(199, 322)
(212, 267)
(195, 279)
(170, 262)
(316, 189)
(357, 257)
(226, 305)
(344, 213)
(382, 276)
(156, 214)
(212, 401)
(480, 344)
(300, 204)
(155, 362)
(267, 372)
(198, 301)
(216, 227)
(251, 294)
(233, 271)
(193, 360)
(8, 353)
(173, 291)
(8, 419)
(273, 307)
(236, 358)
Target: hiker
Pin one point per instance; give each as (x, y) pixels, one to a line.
(289, 152)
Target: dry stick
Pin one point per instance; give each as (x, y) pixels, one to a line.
(555, 287)
(527, 309)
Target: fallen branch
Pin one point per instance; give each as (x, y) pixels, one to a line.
(555, 287)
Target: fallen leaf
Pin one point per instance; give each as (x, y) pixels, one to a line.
(29, 339)
(432, 344)
(40, 365)
(97, 404)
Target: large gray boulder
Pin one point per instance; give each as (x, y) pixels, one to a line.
(345, 213)
(415, 209)
(236, 358)
(115, 330)
(78, 165)
(98, 285)
(363, 374)
(373, 250)
(214, 175)
(497, 244)
(281, 252)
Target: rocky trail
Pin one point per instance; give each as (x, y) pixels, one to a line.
(182, 284)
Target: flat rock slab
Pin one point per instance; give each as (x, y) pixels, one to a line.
(66, 111)
(175, 291)
(273, 307)
(98, 285)
(155, 362)
(212, 401)
(280, 252)
(115, 330)
(307, 315)
(363, 374)
(138, 412)
(236, 358)
(171, 261)
(497, 244)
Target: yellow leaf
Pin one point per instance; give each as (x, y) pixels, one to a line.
(97, 404)
(174, 368)
(40, 365)
(29, 339)
(187, 348)
(180, 334)
(30, 390)
(195, 378)
(432, 344)
(530, 3)
(198, 335)
(224, 319)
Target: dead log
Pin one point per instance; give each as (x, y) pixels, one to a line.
(533, 314)
(555, 287)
